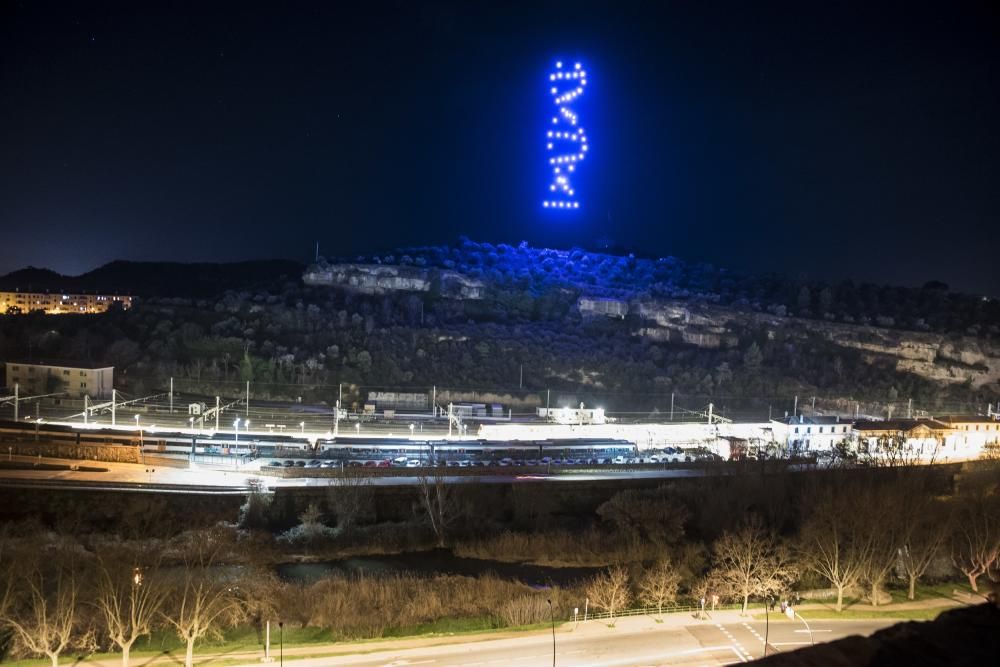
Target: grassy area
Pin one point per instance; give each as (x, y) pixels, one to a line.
(856, 614)
(246, 639)
(938, 591)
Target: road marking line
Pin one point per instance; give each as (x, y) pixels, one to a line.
(814, 631)
(789, 643)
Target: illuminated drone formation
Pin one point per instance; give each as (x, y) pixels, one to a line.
(566, 141)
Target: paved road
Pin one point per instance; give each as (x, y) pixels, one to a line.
(678, 639)
(635, 642)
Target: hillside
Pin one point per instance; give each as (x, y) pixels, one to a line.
(511, 323)
(163, 279)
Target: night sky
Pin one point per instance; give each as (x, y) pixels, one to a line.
(821, 140)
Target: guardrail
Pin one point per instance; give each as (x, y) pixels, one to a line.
(652, 611)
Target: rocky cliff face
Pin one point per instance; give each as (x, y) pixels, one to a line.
(949, 359)
(382, 279)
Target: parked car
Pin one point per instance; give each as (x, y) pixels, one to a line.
(384, 464)
(288, 463)
(370, 464)
(300, 464)
(412, 463)
(315, 463)
(275, 464)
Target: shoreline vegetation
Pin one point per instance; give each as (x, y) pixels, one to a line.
(841, 539)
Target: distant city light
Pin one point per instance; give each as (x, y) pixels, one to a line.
(564, 193)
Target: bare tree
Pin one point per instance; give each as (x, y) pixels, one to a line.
(437, 500)
(924, 536)
(351, 499)
(750, 562)
(894, 450)
(834, 541)
(610, 591)
(43, 613)
(659, 584)
(128, 598)
(976, 537)
(923, 524)
(202, 603)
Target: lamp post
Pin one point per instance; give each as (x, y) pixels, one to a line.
(767, 622)
(139, 428)
(281, 642)
(411, 430)
(302, 428)
(552, 619)
(357, 427)
(236, 432)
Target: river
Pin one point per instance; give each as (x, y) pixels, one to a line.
(430, 563)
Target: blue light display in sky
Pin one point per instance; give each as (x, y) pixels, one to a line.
(565, 140)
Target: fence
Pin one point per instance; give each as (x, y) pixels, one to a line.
(653, 611)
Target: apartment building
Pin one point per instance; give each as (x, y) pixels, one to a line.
(75, 379)
(59, 303)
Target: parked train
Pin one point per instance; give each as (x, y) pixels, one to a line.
(347, 447)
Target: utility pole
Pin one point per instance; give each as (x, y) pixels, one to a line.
(795, 410)
(86, 409)
(857, 410)
(336, 420)
(16, 391)
(909, 408)
(216, 413)
(671, 406)
(434, 393)
(449, 419)
(340, 393)
(548, 394)
(710, 408)
(520, 379)
(171, 396)
(248, 399)
(114, 399)
(814, 405)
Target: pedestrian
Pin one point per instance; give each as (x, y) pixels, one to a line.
(784, 605)
(715, 600)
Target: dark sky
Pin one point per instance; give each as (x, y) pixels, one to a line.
(826, 140)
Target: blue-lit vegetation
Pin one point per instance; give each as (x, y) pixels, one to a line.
(293, 340)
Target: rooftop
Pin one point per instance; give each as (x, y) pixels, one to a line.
(60, 363)
(898, 425)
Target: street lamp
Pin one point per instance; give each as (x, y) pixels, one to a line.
(552, 618)
(236, 432)
(357, 428)
(767, 622)
(411, 430)
(302, 428)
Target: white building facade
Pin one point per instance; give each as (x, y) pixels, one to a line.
(74, 380)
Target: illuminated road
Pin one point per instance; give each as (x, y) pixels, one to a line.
(635, 642)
